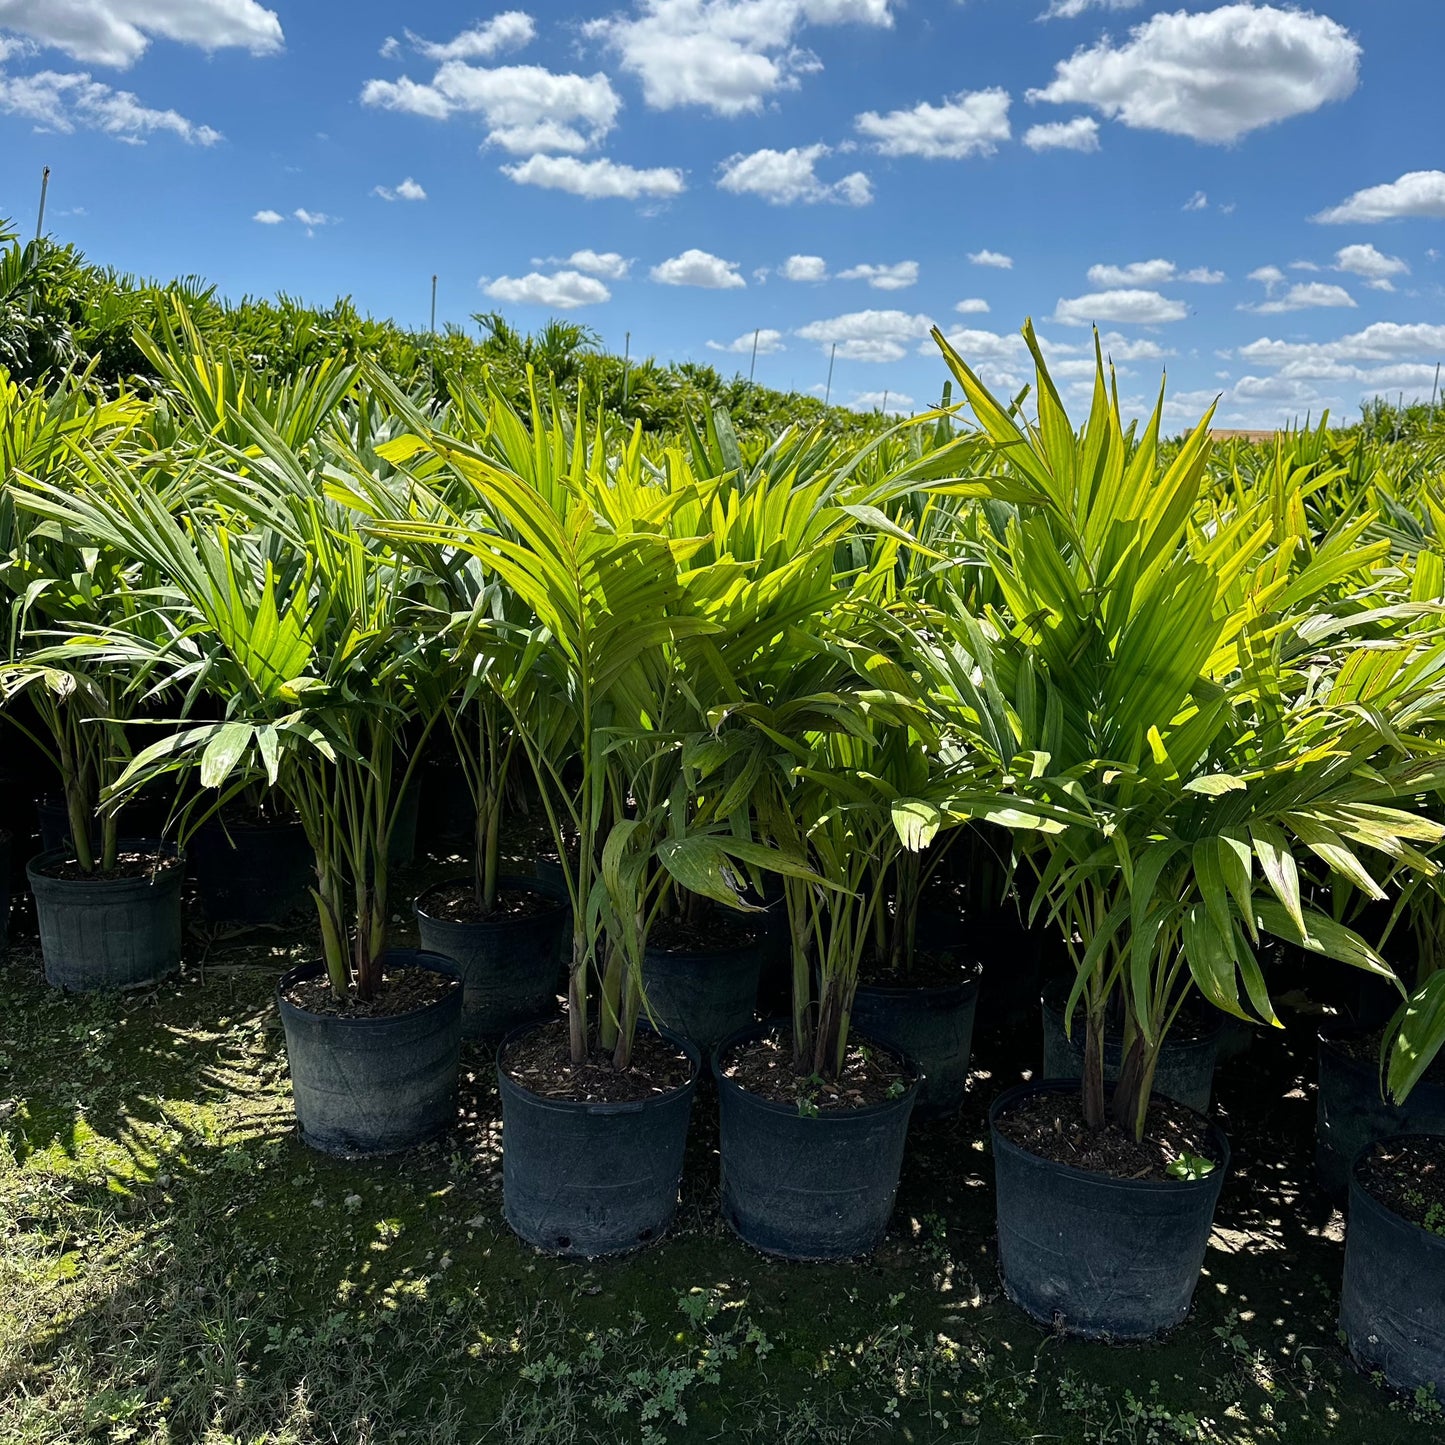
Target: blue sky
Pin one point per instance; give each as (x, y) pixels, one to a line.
(1249, 195)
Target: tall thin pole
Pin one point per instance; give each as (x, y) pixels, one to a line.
(828, 390)
(433, 327)
(883, 410)
(626, 365)
(40, 217)
(1434, 393)
(753, 365)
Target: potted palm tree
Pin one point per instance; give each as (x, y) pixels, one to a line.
(1165, 753)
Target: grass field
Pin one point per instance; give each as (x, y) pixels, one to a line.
(175, 1266)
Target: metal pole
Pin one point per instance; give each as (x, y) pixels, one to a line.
(1434, 393)
(626, 365)
(433, 306)
(753, 365)
(40, 218)
(828, 390)
(883, 410)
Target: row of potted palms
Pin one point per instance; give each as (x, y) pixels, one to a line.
(755, 691)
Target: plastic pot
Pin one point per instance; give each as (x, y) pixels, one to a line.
(252, 872)
(54, 819)
(592, 1179)
(508, 966)
(365, 1086)
(1351, 1114)
(931, 1026)
(1186, 1065)
(1392, 1306)
(1093, 1256)
(103, 933)
(401, 850)
(807, 1186)
(703, 995)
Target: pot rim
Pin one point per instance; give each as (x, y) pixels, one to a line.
(158, 847)
(679, 955)
(436, 962)
(518, 882)
(1359, 1194)
(751, 1032)
(965, 986)
(583, 1106)
(1001, 1144)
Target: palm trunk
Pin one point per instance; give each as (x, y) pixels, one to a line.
(1093, 1080)
(577, 997)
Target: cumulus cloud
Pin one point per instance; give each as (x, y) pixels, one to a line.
(967, 124)
(1375, 266)
(526, 109)
(408, 190)
(562, 291)
(1415, 194)
(69, 102)
(610, 265)
(1068, 9)
(804, 268)
(1130, 306)
(1157, 272)
(1079, 134)
(1384, 341)
(314, 220)
(1199, 201)
(972, 306)
(788, 177)
(510, 30)
(1269, 277)
(269, 218)
(726, 55)
(1214, 75)
(768, 342)
(1305, 296)
(596, 179)
(896, 277)
(868, 335)
(699, 268)
(895, 403)
(118, 32)
(992, 258)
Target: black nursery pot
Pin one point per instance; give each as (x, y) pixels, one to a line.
(703, 995)
(592, 1179)
(1093, 1256)
(1351, 1114)
(251, 872)
(107, 933)
(808, 1187)
(508, 966)
(1392, 1304)
(365, 1086)
(1185, 1071)
(931, 1026)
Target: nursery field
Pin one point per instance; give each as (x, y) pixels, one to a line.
(178, 1266)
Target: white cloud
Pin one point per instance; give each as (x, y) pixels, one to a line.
(868, 335)
(1213, 76)
(1157, 272)
(896, 277)
(1199, 201)
(787, 177)
(563, 291)
(1068, 9)
(968, 124)
(1129, 305)
(314, 220)
(699, 268)
(1305, 296)
(1203, 276)
(118, 32)
(727, 55)
(1416, 193)
(972, 306)
(1384, 341)
(408, 190)
(992, 258)
(1269, 277)
(1122, 348)
(769, 343)
(594, 179)
(897, 403)
(269, 218)
(69, 102)
(1079, 134)
(510, 30)
(804, 268)
(525, 108)
(610, 265)
(1375, 266)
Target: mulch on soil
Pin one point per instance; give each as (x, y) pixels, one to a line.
(402, 991)
(1051, 1126)
(764, 1067)
(541, 1062)
(127, 865)
(457, 903)
(707, 935)
(1408, 1178)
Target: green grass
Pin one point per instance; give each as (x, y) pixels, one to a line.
(176, 1267)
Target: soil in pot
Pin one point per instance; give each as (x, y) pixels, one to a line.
(1186, 1062)
(252, 869)
(1351, 1111)
(810, 1168)
(374, 1076)
(927, 1014)
(1392, 1304)
(1096, 1238)
(508, 957)
(701, 978)
(592, 1156)
(116, 929)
